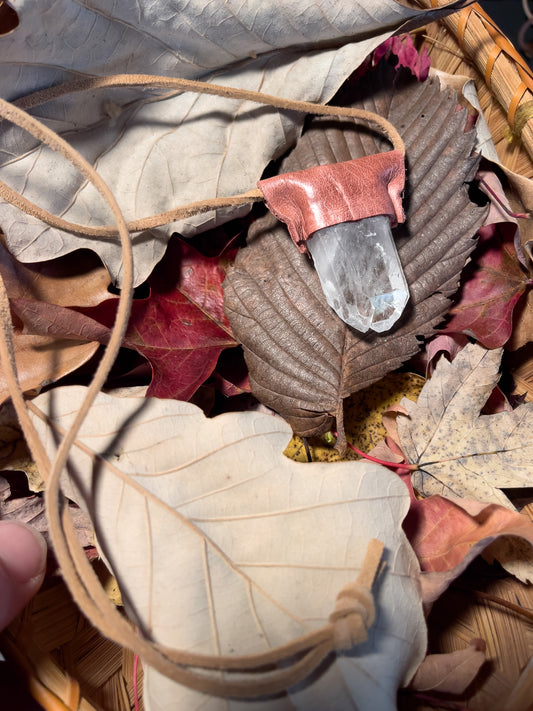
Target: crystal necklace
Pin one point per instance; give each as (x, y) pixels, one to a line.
(341, 215)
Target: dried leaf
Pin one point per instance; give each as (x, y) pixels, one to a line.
(303, 359)
(41, 360)
(363, 418)
(30, 509)
(444, 532)
(459, 452)
(181, 329)
(514, 554)
(491, 285)
(449, 345)
(77, 279)
(450, 673)
(404, 50)
(522, 331)
(520, 191)
(170, 147)
(212, 535)
(14, 453)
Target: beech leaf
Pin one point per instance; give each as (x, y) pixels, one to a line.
(222, 545)
(303, 360)
(170, 148)
(459, 452)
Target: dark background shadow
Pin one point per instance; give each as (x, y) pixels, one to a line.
(509, 15)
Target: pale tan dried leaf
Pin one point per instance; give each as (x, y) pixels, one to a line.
(459, 452)
(222, 545)
(159, 150)
(450, 673)
(514, 554)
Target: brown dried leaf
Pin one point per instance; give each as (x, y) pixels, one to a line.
(29, 508)
(14, 453)
(41, 360)
(450, 673)
(77, 279)
(303, 359)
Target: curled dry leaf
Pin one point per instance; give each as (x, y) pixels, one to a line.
(78, 279)
(447, 534)
(222, 545)
(171, 147)
(457, 451)
(41, 361)
(450, 673)
(303, 360)
(30, 509)
(404, 50)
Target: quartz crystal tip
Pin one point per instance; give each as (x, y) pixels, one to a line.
(360, 272)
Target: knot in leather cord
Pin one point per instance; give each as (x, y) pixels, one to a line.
(353, 615)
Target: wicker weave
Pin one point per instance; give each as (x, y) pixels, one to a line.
(51, 640)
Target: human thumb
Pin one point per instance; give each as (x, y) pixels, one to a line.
(22, 567)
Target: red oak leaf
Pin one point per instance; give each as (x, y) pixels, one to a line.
(491, 286)
(180, 329)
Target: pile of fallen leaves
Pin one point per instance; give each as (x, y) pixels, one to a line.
(221, 544)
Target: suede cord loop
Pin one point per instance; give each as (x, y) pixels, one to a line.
(378, 122)
(258, 674)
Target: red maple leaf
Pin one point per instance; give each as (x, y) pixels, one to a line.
(181, 328)
(491, 285)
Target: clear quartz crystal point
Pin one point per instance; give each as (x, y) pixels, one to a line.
(360, 272)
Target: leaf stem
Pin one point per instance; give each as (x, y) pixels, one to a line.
(497, 198)
(390, 465)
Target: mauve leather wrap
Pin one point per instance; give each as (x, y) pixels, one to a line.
(325, 195)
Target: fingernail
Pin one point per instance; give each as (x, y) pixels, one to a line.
(22, 551)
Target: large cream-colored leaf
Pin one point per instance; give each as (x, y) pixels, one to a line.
(222, 545)
(459, 452)
(158, 150)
